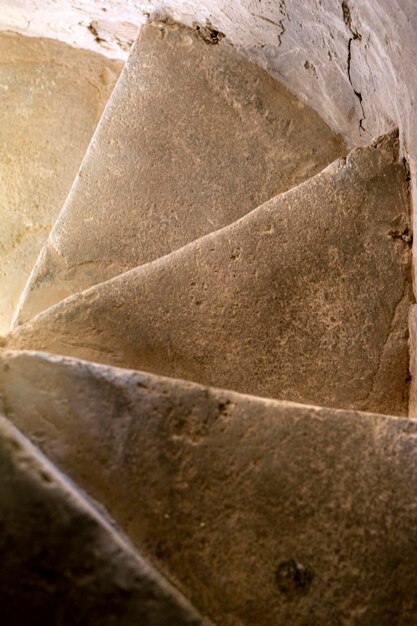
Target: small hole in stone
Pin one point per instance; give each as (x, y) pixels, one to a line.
(292, 578)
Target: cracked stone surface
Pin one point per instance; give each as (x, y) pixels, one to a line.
(161, 171)
(351, 60)
(51, 98)
(107, 27)
(62, 562)
(307, 45)
(263, 512)
(305, 298)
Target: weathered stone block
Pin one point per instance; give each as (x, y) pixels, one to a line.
(305, 298)
(62, 562)
(193, 138)
(52, 97)
(263, 512)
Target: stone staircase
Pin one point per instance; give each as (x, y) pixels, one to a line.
(219, 233)
(62, 562)
(52, 97)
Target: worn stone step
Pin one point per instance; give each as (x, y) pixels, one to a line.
(52, 97)
(305, 298)
(62, 562)
(264, 512)
(193, 138)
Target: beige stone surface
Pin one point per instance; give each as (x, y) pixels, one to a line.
(51, 98)
(261, 511)
(193, 138)
(105, 27)
(351, 60)
(264, 512)
(305, 298)
(413, 360)
(62, 562)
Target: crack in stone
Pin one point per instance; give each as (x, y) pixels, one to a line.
(283, 11)
(357, 93)
(347, 18)
(279, 23)
(356, 36)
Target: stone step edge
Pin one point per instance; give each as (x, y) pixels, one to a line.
(145, 574)
(8, 353)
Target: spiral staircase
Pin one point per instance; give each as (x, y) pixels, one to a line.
(210, 366)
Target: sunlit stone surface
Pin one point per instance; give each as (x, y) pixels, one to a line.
(51, 98)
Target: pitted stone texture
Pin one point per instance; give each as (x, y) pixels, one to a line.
(51, 98)
(193, 138)
(265, 512)
(61, 562)
(304, 299)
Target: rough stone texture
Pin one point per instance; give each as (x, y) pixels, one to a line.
(106, 27)
(352, 60)
(305, 298)
(51, 98)
(412, 408)
(325, 51)
(61, 562)
(265, 512)
(194, 137)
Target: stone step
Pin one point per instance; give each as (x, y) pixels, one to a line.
(52, 97)
(264, 512)
(305, 298)
(193, 138)
(62, 562)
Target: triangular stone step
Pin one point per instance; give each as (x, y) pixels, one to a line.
(305, 298)
(52, 96)
(193, 138)
(61, 562)
(266, 512)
